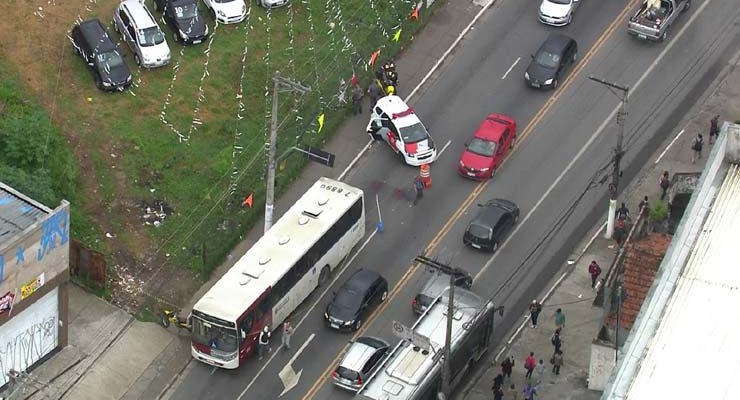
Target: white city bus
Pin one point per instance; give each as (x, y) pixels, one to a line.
(276, 275)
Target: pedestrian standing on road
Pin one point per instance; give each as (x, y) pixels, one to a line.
(529, 363)
(374, 91)
(540, 369)
(418, 189)
(529, 391)
(713, 129)
(594, 270)
(556, 340)
(357, 96)
(512, 394)
(534, 312)
(498, 382)
(557, 362)
(264, 342)
(559, 319)
(696, 147)
(507, 366)
(287, 333)
(665, 182)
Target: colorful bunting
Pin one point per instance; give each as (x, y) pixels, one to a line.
(248, 201)
(415, 13)
(397, 35)
(374, 57)
(321, 122)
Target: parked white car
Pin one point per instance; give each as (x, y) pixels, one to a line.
(272, 3)
(557, 12)
(227, 11)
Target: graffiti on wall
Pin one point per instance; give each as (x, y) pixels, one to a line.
(56, 226)
(28, 346)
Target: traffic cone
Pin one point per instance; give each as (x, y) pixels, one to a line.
(425, 175)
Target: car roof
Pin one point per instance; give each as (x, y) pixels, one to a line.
(491, 211)
(362, 279)
(491, 128)
(556, 43)
(436, 284)
(139, 13)
(359, 352)
(400, 113)
(93, 29)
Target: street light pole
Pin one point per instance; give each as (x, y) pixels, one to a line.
(281, 85)
(618, 151)
(448, 340)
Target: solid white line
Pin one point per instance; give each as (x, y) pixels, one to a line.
(503, 349)
(512, 67)
(554, 285)
(297, 353)
(423, 81)
(313, 306)
(669, 146)
(443, 149)
(592, 138)
(377, 203)
(598, 231)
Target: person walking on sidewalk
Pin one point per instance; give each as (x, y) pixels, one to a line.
(264, 342)
(498, 393)
(559, 319)
(529, 391)
(622, 213)
(556, 340)
(540, 369)
(418, 189)
(512, 394)
(713, 129)
(557, 362)
(287, 333)
(665, 183)
(696, 148)
(529, 363)
(374, 91)
(594, 270)
(498, 382)
(644, 204)
(534, 312)
(507, 367)
(357, 96)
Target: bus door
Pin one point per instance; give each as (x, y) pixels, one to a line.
(250, 325)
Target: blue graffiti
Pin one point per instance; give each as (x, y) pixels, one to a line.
(57, 224)
(19, 255)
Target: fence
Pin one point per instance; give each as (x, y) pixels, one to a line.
(87, 264)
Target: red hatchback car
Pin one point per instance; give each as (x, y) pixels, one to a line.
(488, 148)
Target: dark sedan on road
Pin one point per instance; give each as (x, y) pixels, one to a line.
(355, 300)
(491, 225)
(548, 66)
(183, 17)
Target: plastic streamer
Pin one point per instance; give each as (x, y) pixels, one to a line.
(237, 148)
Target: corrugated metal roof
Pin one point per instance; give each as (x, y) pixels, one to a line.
(695, 351)
(17, 212)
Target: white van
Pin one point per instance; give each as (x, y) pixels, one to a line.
(395, 123)
(139, 29)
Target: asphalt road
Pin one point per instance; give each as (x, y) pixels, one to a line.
(565, 142)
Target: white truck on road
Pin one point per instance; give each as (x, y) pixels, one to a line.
(654, 17)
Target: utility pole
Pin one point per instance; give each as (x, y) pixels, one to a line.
(448, 341)
(618, 151)
(282, 84)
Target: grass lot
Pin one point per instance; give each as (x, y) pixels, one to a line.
(127, 155)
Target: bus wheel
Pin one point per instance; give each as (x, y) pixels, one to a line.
(324, 275)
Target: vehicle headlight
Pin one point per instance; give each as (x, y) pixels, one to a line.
(484, 169)
(107, 84)
(326, 315)
(129, 79)
(348, 323)
(182, 34)
(549, 81)
(230, 356)
(526, 75)
(244, 8)
(221, 13)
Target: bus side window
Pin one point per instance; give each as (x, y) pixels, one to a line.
(246, 325)
(263, 307)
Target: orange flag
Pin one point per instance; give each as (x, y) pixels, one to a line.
(374, 57)
(415, 13)
(248, 200)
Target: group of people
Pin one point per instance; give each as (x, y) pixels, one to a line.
(384, 84)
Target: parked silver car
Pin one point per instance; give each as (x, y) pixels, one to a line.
(142, 34)
(362, 358)
(557, 12)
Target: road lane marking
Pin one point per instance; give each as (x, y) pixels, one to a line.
(669, 146)
(443, 149)
(510, 68)
(287, 375)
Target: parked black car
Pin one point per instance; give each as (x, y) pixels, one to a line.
(548, 65)
(355, 300)
(438, 282)
(183, 17)
(93, 43)
(493, 222)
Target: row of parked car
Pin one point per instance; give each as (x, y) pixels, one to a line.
(143, 35)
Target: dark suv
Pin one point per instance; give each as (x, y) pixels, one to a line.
(183, 17)
(493, 222)
(92, 42)
(548, 65)
(437, 283)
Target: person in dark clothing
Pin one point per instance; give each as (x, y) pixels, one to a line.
(507, 367)
(665, 183)
(594, 270)
(696, 148)
(644, 203)
(357, 96)
(557, 362)
(556, 341)
(622, 212)
(498, 393)
(498, 382)
(713, 129)
(419, 189)
(375, 93)
(534, 312)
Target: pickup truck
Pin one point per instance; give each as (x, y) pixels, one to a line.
(654, 17)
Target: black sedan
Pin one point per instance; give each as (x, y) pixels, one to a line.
(183, 17)
(355, 300)
(491, 225)
(552, 60)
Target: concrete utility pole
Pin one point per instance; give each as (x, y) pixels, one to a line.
(618, 151)
(448, 341)
(281, 85)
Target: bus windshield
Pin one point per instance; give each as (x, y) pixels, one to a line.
(216, 337)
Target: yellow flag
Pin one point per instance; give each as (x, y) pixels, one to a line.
(397, 35)
(321, 122)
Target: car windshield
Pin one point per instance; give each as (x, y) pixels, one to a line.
(414, 133)
(482, 147)
(479, 231)
(348, 297)
(108, 61)
(186, 11)
(214, 336)
(547, 59)
(560, 1)
(150, 36)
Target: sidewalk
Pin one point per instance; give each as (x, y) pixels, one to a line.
(571, 290)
